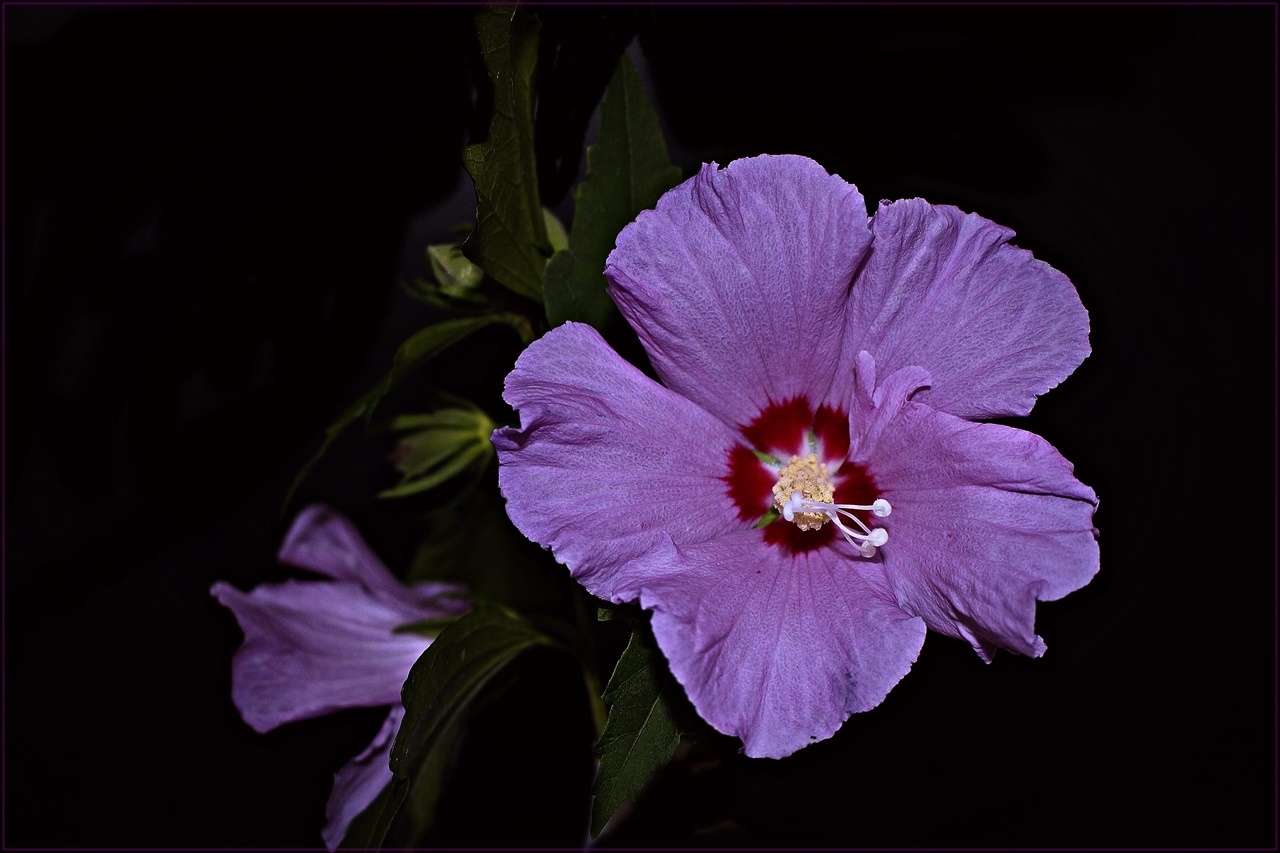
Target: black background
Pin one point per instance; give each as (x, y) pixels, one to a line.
(207, 210)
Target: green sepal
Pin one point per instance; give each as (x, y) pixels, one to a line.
(627, 171)
(443, 444)
(510, 239)
(767, 458)
(466, 416)
(468, 459)
(412, 354)
(557, 237)
(454, 282)
(641, 733)
(429, 291)
(768, 518)
(454, 272)
(436, 436)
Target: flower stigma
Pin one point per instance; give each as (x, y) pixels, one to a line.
(804, 496)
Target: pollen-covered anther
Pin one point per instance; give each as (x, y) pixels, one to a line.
(804, 495)
(807, 477)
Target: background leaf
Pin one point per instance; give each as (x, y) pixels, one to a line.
(627, 170)
(641, 734)
(510, 241)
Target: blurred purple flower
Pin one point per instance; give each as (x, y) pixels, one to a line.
(314, 647)
(822, 373)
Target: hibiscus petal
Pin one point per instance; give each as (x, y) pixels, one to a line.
(607, 463)
(326, 542)
(944, 290)
(779, 649)
(737, 282)
(311, 648)
(986, 519)
(439, 599)
(360, 781)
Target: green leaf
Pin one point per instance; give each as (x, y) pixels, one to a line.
(437, 697)
(641, 734)
(430, 342)
(413, 353)
(449, 676)
(627, 170)
(426, 786)
(510, 241)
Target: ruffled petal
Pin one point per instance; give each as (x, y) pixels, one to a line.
(986, 519)
(607, 464)
(360, 781)
(779, 649)
(737, 283)
(311, 648)
(944, 290)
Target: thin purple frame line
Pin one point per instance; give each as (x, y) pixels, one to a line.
(1275, 408)
(340, 3)
(4, 445)
(652, 3)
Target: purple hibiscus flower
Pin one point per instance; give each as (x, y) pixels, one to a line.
(808, 490)
(314, 647)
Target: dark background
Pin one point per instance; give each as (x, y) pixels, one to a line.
(207, 211)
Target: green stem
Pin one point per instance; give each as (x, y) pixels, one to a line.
(598, 712)
(589, 661)
(520, 323)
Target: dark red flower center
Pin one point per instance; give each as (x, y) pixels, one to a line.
(782, 431)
